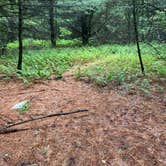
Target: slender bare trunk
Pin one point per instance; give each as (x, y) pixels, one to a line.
(20, 17)
(52, 25)
(137, 36)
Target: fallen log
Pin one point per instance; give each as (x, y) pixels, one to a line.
(6, 130)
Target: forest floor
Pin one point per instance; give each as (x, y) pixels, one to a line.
(121, 128)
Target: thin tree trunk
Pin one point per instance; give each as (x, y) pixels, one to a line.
(129, 26)
(11, 23)
(90, 23)
(52, 26)
(20, 17)
(85, 30)
(137, 36)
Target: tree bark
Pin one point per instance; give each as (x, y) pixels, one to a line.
(137, 36)
(86, 25)
(129, 26)
(85, 38)
(11, 23)
(52, 25)
(20, 17)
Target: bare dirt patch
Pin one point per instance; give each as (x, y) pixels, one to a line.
(117, 130)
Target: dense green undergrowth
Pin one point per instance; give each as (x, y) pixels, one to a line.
(38, 44)
(102, 65)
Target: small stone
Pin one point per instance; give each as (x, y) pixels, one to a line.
(103, 161)
(19, 105)
(6, 155)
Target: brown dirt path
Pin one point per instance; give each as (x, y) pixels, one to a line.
(118, 130)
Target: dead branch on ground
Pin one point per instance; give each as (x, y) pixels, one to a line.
(6, 130)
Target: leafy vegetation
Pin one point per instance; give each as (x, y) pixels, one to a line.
(24, 108)
(102, 65)
(34, 44)
(107, 44)
(51, 38)
(120, 65)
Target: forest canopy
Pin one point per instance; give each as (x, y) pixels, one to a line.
(100, 21)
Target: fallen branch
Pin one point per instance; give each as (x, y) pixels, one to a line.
(5, 129)
(37, 91)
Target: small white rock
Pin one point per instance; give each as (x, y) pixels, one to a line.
(19, 105)
(103, 161)
(6, 155)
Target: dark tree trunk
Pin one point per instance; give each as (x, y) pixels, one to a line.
(129, 26)
(90, 23)
(52, 25)
(20, 17)
(84, 27)
(11, 22)
(3, 50)
(137, 35)
(86, 24)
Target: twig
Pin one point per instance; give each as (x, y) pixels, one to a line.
(4, 130)
(32, 92)
(8, 131)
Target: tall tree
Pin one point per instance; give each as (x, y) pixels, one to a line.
(20, 23)
(86, 25)
(137, 35)
(51, 21)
